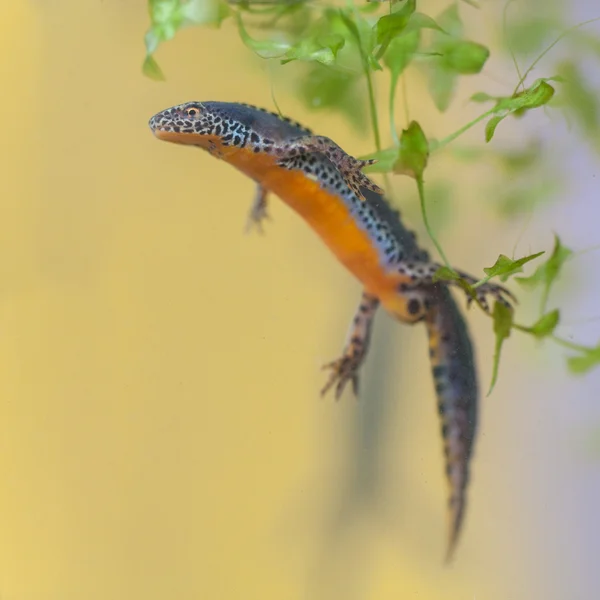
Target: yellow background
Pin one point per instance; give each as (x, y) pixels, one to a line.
(161, 433)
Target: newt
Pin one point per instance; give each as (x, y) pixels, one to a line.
(327, 188)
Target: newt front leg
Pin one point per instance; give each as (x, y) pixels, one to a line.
(258, 211)
(346, 368)
(348, 166)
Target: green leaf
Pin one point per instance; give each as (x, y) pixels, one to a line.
(321, 49)
(584, 363)
(538, 94)
(398, 56)
(453, 56)
(350, 24)
(490, 127)
(581, 101)
(362, 35)
(450, 21)
(400, 52)
(167, 17)
(372, 6)
(503, 319)
(547, 273)
(152, 70)
(463, 56)
(403, 20)
(446, 274)
(526, 35)
(505, 267)
(421, 21)
(414, 152)
(204, 12)
(264, 49)
(482, 97)
(389, 26)
(546, 325)
(442, 85)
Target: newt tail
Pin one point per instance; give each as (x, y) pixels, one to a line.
(455, 379)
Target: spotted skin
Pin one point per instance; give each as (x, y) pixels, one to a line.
(348, 166)
(327, 189)
(345, 369)
(455, 379)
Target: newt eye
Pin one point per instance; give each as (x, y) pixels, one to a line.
(192, 111)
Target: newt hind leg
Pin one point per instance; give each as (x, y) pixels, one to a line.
(416, 274)
(345, 369)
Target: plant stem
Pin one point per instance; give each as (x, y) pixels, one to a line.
(405, 99)
(570, 345)
(426, 221)
(560, 37)
(458, 133)
(392, 115)
(504, 29)
(372, 106)
(481, 281)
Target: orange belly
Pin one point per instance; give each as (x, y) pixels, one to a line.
(324, 212)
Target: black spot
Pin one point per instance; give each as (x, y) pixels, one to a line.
(439, 370)
(414, 306)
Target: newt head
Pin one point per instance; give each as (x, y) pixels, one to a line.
(189, 123)
(229, 124)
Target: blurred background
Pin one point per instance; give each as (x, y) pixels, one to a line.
(161, 431)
